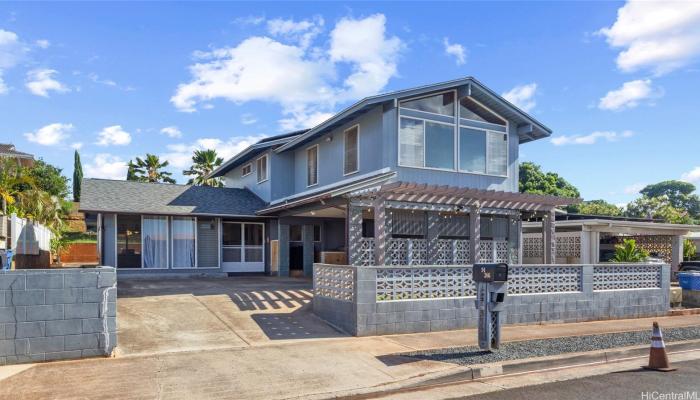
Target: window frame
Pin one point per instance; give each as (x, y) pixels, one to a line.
(250, 170)
(317, 149)
(457, 125)
(267, 168)
(357, 153)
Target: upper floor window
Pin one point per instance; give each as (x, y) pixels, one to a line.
(351, 151)
(439, 104)
(470, 109)
(261, 166)
(312, 165)
(430, 137)
(246, 170)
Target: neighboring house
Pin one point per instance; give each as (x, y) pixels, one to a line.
(427, 175)
(591, 239)
(8, 150)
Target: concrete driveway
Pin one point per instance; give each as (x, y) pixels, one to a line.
(163, 315)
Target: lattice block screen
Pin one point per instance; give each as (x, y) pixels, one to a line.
(424, 283)
(616, 277)
(366, 256)
(544, 279)
(662, 246)
(407, 251)
(453, 252)
(568, 245)
(334, 282)
(493, 251)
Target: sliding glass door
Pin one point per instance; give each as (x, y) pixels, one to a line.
(128, 241)
(184, 234)
(242, 246)
(155, 242)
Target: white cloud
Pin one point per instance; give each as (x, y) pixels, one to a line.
(303, 120)
(302, 32)
(41, 81)
(11, 52)
(50, 135)
(522, 96)
(106, 166)
(171, 131)
(77, 145)
(634, 188)
(42, 43)
(455, 50)
(657, 35)
(248, 119)
(96, 78)
(692, 176)
(303, 79)
(591, 138)
(3, 87)
(629, 95)
(180, 155)
(113, 135)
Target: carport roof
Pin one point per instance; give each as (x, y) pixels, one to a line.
(113, 196)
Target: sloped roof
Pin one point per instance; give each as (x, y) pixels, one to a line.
(8, 149)
(102, 195)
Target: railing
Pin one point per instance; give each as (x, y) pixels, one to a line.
(449, 252)
(334, 281)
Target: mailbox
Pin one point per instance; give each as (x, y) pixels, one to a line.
(490, 272)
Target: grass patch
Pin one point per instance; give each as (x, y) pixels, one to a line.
(80, 237)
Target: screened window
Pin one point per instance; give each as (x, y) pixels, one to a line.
(470, 109)
(439, 145)
(184, 229)
(253, 242)
(231, 241)
(472, 150)
(411, 142)
(440, 104)
(351, 161)
(497, 150)
(312, 166)
(155, 242)
(262, 168)
(245, 171)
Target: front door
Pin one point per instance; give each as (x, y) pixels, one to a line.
(242, 246)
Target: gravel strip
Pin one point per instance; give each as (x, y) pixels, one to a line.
(549, 347)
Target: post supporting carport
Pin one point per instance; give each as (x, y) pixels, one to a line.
(676, 252)
(549, 237)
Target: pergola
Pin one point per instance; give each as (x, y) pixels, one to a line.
(435, 199)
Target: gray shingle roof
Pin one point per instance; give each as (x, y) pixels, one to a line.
(101, 195)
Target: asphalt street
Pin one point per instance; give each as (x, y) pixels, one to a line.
(634, 384)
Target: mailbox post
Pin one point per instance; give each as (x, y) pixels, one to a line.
(491, 288)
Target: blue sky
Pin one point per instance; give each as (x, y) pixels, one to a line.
(617, 82)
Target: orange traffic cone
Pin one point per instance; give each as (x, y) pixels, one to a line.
(658, 360)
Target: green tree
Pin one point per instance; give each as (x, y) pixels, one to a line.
(534, 180)
(150, 169)
(689, 249)
(48, 178)
(680, 195)
(629, 252)
(77, 176)
(657, 208)
(595, 207)
(130, 172)
(13, 177)
(203, 163)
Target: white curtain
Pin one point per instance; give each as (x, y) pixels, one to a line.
(155, 242)
(183, 242)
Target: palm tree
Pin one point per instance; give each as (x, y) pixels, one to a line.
(203, 163)
(150, 169)
(13, 178)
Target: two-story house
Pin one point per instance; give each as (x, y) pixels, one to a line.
(427, 175)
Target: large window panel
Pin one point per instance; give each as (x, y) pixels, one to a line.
(470, 109)
(184, 232)
(472, 150)
(411, 137)
(439, 104)
(497, 144)
(439, 145)
(351, 159)
(155, 242)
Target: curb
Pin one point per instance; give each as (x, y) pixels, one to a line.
(685, 311)
(514, 367)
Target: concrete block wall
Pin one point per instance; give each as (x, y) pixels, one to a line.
(365, 316)
(56, 314)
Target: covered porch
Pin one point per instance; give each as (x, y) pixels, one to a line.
(403, 223)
